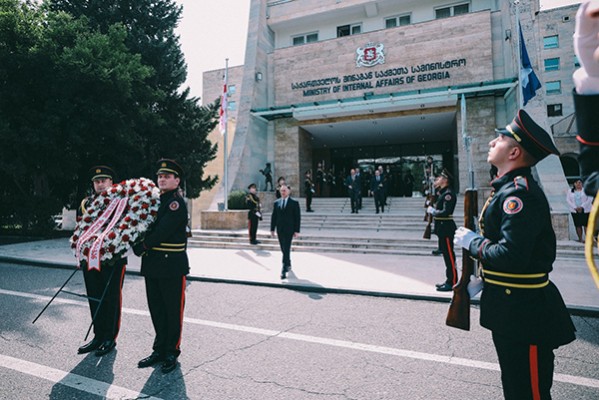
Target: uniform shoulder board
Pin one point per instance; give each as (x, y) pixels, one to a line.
(520, 182)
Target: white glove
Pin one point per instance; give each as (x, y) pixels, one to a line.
(586, 47)
(475, 285)
(463, 237)
(431, 210)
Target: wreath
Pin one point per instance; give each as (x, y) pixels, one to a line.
(115, 220)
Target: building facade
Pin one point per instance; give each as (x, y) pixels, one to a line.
(328, 85)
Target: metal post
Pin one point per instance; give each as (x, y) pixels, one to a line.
(518, 56)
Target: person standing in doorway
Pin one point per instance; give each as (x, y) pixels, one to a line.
(285, 221)
(308, 190)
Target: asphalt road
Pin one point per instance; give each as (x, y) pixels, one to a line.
(248, 342)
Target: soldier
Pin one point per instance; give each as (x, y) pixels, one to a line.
(164, 265)
(109, 277)
(252, 202)
(267, 172)
(444, 228)
(516, 246)
(309, 190)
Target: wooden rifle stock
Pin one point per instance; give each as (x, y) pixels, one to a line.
(430, 200)
(458, 315)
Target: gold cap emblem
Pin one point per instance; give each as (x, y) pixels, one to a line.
(98, 171)
(163, 165)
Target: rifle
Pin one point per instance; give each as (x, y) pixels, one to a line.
(458, 315)
(430, 200)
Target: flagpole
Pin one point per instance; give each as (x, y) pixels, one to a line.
(226, 167)
(518, 55)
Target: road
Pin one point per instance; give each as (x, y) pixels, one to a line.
(248, 342)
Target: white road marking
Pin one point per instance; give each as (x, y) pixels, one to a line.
(464, 362)
(75, 381)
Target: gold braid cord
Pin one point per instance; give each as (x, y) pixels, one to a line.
(589, 241)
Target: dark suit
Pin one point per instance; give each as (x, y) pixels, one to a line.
(164, 265)
(353, 191)
(377, 187)
(286, 222)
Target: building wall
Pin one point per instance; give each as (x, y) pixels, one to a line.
(407, 48)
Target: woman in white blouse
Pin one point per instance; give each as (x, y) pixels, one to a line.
(580, 207)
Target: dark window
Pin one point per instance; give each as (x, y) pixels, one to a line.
(551, 42)
(450, 11)
(552, 64)
(554, 110)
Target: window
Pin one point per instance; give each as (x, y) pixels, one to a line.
(232, 106)
(554, 87)
(451, 11)
(576, 62)
(231, 89)
(346, 30)
(552, 64)
(551, 42)
(398, 21)
(305, 38)
(554, 110)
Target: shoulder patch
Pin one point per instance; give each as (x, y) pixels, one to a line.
(512, 205)
(447, 197)
(174, 206)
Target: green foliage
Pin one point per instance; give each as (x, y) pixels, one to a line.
(237, 200)
(82, 88)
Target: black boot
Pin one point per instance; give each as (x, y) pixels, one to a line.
(89, 346)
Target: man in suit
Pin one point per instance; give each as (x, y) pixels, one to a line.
(285, 220)
(164, 265)
(377, 189)
(109, 278)
(353, 187)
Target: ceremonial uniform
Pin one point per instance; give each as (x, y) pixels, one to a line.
(107, 282)
(516, 247)
(445, 228)
(165, 265)
(252, 202)
(309, 190)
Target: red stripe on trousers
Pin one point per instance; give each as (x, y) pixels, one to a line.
(534, 372)
(118, 323)
(250, 229)
(181, 315)
(455, 273)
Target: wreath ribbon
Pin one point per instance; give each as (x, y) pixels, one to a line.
(94, 252)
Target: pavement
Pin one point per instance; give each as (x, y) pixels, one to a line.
(411, 277)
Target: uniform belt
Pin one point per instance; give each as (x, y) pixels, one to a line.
(518, 281)
(448, 218)
(171, 247)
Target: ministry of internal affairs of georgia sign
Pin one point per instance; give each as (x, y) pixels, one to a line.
(370, 55)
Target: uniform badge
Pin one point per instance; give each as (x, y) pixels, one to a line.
(447, 197)
(512, 205)
(174, 206)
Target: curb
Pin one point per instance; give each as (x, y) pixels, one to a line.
(577, 310)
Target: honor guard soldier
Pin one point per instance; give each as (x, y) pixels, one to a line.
(164, 265)
(445, 227)
(252, 202)
(516, 246)
(107, 313)
(309, 190)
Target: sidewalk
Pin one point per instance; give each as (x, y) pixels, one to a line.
(411, 277)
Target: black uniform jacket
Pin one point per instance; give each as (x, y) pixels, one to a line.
(587, 120)
(252, 202)
(517, 251)
(287, 221)
(85, 203)
(165, 244)
(443, 215)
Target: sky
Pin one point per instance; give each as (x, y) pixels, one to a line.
(212, 31)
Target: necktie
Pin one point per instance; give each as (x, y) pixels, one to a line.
(284, 204)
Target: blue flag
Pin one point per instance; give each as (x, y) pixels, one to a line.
(528, 79)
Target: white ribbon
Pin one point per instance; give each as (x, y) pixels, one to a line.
(95, 227)
(93, 260)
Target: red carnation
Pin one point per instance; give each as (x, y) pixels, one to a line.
(86, 251)
(113, 190)
(136, 198)
(85, 228)
(143, 216)
(73, 245)
(153, 201)
(87, 219)
(148, 193)
(111, 248)
(78, 219)
(134, 209)
(130, 192)
(123, 227)
(111, 235)
(153, 213)
(122, 183)
(90, 210)
(107, 201)
(143, 188)
(123, 192)
(102, 251)
(134, 223)
(145, 206)
(127, 218)
(75, 238)
(125, 238)
(104, 193)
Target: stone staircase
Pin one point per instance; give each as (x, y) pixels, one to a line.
(332, 228)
